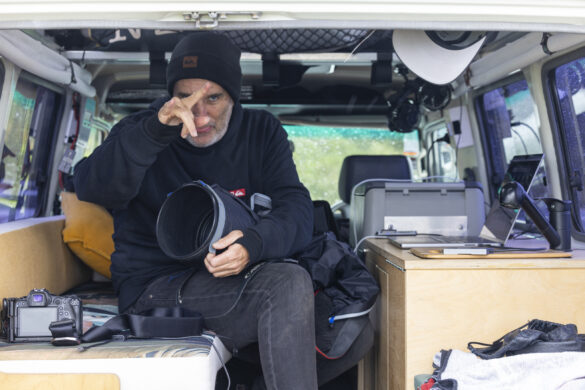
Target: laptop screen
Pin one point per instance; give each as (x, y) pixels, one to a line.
(500, 220)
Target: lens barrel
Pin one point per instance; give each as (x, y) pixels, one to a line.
(195, 216)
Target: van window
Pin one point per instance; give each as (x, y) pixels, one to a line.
(569, 93)
(32, 121)
(98, 132)
(510, 126)
(319, 152)
(2, 72)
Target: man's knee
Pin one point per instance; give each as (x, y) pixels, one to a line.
(288, 284)
(290, 277)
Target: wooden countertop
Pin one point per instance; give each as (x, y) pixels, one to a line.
(405, 260)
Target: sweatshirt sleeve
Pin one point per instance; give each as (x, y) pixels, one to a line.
(288, 228)
(112, 175)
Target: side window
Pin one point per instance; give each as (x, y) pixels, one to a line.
(568, 87)
(27, 147)
(318, 152)
(98, 133)
(510, 127)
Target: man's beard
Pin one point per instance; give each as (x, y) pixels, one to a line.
(216, 138)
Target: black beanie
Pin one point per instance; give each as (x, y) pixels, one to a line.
(206, 56)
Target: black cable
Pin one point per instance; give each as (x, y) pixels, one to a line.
(445, 138)
(247, 277)
(73, 79)
(521, 140)
(515, 124)
(458, 140)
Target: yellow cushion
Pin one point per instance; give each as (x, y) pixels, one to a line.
(88, 232)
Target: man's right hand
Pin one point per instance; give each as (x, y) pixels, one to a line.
(180, 110)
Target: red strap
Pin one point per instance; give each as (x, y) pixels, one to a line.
(427, 385)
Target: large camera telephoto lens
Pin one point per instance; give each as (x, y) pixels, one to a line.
(185, 222)
(195, 216)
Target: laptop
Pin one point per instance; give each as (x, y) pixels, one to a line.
(498, 223)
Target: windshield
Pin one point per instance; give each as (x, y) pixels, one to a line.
(319, 151)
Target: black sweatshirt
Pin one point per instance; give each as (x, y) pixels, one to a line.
(142, 161)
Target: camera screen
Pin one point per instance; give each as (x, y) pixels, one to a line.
(35, 321)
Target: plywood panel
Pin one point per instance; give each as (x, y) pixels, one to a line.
(390, 322)
(384, 369)
(445, 309)
(428, 305)
(406, 260)
(367, 367)
(36, 257)
(59, 381)
(398, 350)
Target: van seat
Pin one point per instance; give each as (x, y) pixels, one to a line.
(357, 168)
(34, 255)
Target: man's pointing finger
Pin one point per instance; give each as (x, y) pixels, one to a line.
(192, 99)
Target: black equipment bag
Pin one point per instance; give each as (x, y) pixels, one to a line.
(345, 293)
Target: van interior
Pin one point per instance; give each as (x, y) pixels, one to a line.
(386, 144)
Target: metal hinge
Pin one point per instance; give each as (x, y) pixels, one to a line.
(210, 20)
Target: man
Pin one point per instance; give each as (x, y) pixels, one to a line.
(203, 133)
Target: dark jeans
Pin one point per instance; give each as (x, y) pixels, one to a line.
(275, 310)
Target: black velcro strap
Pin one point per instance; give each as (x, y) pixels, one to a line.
(114, 326)
(64, 332)
(155, 322)
(166, 322)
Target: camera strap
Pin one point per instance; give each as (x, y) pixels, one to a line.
(64, 333)
(152, 323)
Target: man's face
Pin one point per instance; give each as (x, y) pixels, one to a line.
(212, 113)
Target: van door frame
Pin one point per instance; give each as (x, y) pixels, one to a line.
(564, 164)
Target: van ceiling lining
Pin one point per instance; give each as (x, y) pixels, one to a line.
(25, 52)
(517, 55)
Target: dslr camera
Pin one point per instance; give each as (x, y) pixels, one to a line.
(28, 318)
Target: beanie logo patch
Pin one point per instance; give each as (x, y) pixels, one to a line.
(190, 62)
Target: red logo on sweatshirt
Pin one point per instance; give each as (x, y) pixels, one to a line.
(239, 192)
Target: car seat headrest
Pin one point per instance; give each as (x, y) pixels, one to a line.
(358, 168)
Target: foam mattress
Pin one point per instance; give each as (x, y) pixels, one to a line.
(190, 363)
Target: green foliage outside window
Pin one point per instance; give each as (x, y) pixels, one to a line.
(319, 153)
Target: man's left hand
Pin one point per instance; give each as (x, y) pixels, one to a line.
(231, 261)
